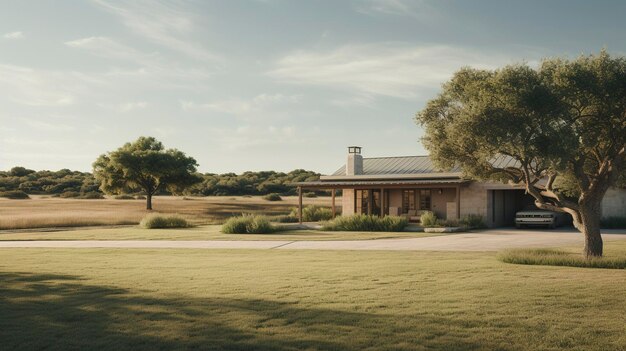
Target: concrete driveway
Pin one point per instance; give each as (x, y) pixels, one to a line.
(489, 240)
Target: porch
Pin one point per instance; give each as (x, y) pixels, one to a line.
(397, 198)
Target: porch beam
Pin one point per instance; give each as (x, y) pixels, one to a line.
(300, 204)
(458, 202)
(333, 206)
(382, 202)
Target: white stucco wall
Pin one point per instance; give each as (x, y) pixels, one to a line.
(614, 203)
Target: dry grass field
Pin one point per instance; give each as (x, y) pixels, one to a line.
(43, 212)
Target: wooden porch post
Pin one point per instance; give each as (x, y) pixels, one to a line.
(334, 209)
(458, 202)
(382, 202)
(300, 204)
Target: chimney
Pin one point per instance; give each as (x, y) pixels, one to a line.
(354, 165)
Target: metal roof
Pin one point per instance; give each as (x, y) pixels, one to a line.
(413, 165)
(323, 184)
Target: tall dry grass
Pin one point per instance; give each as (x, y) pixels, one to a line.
(45, 212)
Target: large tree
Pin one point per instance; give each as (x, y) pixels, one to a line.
(145, 165)
(561, 125)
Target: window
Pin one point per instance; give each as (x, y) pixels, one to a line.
(424, 199)
(408, 200)
(361, 201)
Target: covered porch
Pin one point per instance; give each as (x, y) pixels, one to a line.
(408, 198)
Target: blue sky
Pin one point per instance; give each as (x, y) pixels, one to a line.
(258, 85)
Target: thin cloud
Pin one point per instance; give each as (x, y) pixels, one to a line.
(13, 35)
(238, 106)
(160, 23)
(385, 69)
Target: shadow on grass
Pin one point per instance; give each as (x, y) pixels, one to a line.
(60, 312)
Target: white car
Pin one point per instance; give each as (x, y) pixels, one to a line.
(538, 218)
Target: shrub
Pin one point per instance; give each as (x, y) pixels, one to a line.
(550, 257)
(92, 195)
(613, 222)
(70, 194)
(272, 197)
(428, 219)
(123, 197)
(313, 213)
(140, 197)
(248, 224)
(284, 219)
(15, 195)
(473, 221)
(310, 194)
(365, 223)
(155, 221)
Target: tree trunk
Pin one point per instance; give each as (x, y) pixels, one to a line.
(148, 201)
(590, 213)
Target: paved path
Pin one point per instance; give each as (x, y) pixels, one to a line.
(491, 240)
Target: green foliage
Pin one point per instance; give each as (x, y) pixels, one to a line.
(365, 223)
(145, 165)
(251, 183)
(140, 197)
(47, 182)
(550, 257)
(14, 195)
(248, 224)
(124, 197)
(158, 221)
(229, 184)
(310, 195)
(272, 197)
(473, 221)
(313, 213)
(613, 222)
(428, 219)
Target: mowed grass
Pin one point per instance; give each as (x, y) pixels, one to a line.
(44, 212)
(125, 299)
(206, 232)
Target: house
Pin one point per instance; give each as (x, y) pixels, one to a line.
(410, 185)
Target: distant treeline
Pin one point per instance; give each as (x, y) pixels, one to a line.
(67, 181)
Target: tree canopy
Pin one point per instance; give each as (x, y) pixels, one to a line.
(145, 165)
(562, 125)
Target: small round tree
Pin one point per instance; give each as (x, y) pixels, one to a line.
(145, 165)
(561, 128)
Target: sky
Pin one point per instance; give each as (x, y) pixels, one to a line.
(259, 84)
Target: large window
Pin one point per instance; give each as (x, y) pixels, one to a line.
(361, 201)
(408, 201)
(425, 199)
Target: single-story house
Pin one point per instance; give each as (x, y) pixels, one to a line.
(410, 185)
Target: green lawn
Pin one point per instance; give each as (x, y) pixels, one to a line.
(61, 299)
(208, 232)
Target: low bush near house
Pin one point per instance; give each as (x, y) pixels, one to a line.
(157, 221)
(92, 195)
(248, 224)
(140, 197)
(365, 223)
(550, 257)
(310, 194)
(123, 197)
(428, 219)
(283, 219)
(14, 195)
(70, 194)
(613, 223)
(473, 221)
(313, 213)
(272, 197)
